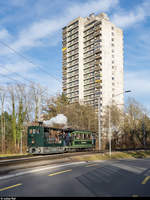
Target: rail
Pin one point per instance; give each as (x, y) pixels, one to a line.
(31, 157)
(9, 165)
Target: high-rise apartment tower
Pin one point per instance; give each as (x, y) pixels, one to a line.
(92, 49)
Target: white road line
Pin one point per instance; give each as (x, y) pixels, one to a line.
(129, 168)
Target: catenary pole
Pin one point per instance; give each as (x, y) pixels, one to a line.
(99, 124)
(110, 130)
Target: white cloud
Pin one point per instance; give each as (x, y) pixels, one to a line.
(138, 82)
(84, 9)
(54, 85)
(125, 19)
(24, 72)
(19, 66)
(18, 3)
(32, 35)
(4, 35)
(35, 33)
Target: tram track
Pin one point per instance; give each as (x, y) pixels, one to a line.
(29, 161)
(31, 158)
(8, 166)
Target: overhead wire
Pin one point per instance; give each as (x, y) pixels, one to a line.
(20, 82)
(3, 67)
(13, 79)
(28, 60)
(31, 62)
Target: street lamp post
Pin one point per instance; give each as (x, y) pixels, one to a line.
(109, 135)
(99, 125)
(21, 143)
(143, 130)
(110, 132)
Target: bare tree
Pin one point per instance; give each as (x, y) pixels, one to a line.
(2, 99)
(37, 93)
(136, 116)
(112, 119)
(21, 112)
(79, 116)
(12, 92)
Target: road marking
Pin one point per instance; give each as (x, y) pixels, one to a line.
(91, 165)
(39, 170)
(145, 180)
(60, 172)
(137, 170)
(6, 188)
(134, 195)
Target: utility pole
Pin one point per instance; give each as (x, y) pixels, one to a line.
(4, 132)
(110, 131)
(39, 107)
(99, 124)
(21, 143)
(39, 104)
(109, 135)
(143, 130)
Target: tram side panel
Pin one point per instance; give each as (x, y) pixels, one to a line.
(46, 140)
(43, 140)
(35, 140)
(53, 141)
(81, 140)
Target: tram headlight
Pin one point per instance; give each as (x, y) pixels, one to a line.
(39, 150)
(33, 141)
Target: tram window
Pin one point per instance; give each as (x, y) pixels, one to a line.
(38, 130)
(46, 134)
(60, 136)
(77, 136)
(87, 136)
(74, 136)
(56, 138)
(34, 131)
(51, 140)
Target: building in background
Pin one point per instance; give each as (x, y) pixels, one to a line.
(92, 61)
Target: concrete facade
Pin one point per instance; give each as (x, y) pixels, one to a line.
(93, 61)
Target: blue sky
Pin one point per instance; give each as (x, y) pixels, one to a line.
(33, 28)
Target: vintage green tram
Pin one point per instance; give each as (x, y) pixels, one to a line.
(47, 140)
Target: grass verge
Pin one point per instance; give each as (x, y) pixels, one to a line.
(114, 155)
(12, 155)
(98, 156)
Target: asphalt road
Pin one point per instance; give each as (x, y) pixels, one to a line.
(125, 178)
